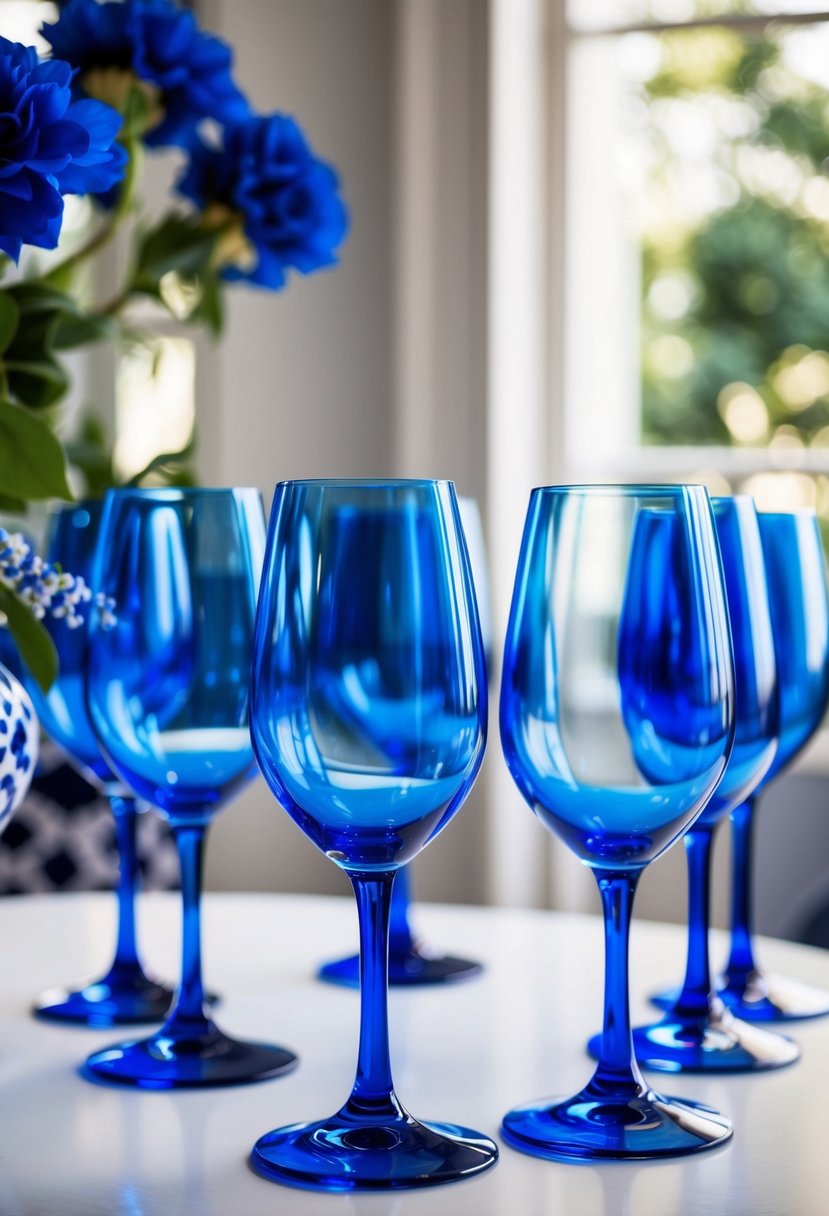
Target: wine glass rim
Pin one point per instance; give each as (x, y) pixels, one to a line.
(796, 512)
(633, 489)
(59, 506)
(717, 499)
(366, 483)
(175, 493)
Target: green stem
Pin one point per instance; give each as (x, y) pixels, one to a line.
(125, 204)
(117, 302)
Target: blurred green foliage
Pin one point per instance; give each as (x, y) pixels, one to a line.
(735, 322)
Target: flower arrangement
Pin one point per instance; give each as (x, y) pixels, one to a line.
(251, 204)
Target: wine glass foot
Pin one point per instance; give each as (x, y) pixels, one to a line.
(345, 1153)
(205, 1059)
(593, 1126)
(716, 1044)
(124, 996)
(774, 998)
(666, 999)
(414, 966)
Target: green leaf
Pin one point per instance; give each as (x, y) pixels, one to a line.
(210, 308)
(33, 641)
(33, 297)
(78, 331)
(39, 382)
(32, 461)
(9, 318)
(179, 243)
(14, 506)
(36, 378)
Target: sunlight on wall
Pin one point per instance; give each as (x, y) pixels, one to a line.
(155, 401)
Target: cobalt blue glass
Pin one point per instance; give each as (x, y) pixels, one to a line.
(125, 994)
(796, 577)
(167, 693)
(617, 721)
(697, 1034)
(368, 715)
(411, 960)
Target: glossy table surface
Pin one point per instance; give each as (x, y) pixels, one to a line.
(462, 1054)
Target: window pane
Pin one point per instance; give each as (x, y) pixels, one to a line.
(610, 14)
(724, 159)
(22, 20)
(155, 401)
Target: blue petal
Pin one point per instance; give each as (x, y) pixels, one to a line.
(101, 121)
(96, 173)
(53, 71)
(16, 184)
(11, 246)
(59, 143)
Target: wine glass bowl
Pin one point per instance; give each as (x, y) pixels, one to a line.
(413, 962)
(124, 995)
(617, 721)
(368, 713)
(368, 771)
(698, 1034)
(167, 691)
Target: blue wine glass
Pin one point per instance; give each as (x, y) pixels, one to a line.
(617, 720)
(697, 1034)
(413, 962)
(368, 713)
(796, 576)
(167, 692)
(125, 994)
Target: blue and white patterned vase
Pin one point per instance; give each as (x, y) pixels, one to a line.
(19, 735)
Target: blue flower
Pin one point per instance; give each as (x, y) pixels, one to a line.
(183, 72)
(267, 181)
(50, 145)
(90, 35)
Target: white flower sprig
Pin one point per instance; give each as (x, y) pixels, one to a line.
(45, 589)
(106, 609)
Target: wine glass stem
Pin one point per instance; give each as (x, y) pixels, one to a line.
(373, 1086)
(126, 815)
(617, 1068)
(190, 1005)
(741, 959)
(695, 998)
(400, 934)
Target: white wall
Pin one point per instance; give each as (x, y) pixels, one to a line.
(324, 379)
(300, 384)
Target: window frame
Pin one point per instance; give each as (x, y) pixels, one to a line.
(531, 390)
(601, 444)
(602, 449)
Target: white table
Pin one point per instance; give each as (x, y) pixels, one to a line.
(465, 1054)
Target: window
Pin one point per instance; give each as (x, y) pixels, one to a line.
(624, 135)
(697, 268)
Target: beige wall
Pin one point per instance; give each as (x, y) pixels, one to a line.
(322, 379)
(300, 384)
